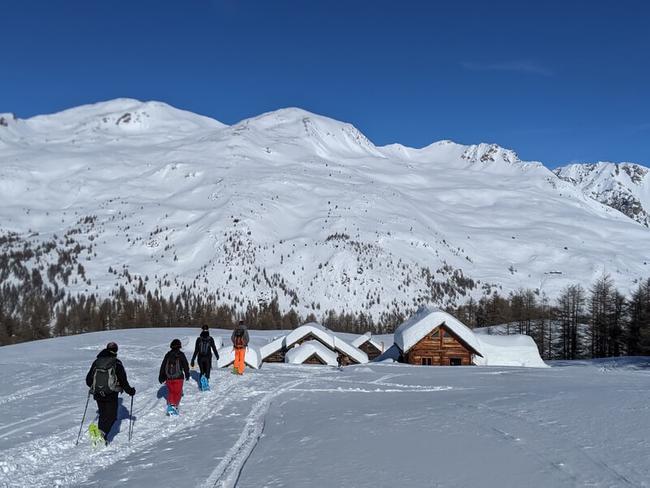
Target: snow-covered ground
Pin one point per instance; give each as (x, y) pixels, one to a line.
(375, 425)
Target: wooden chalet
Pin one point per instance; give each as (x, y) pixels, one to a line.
(276, 350)
(435, 338)
(367, 344)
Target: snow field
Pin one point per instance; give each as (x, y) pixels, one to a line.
(373, 425)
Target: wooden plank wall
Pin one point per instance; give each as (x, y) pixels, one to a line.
(370, 350)
(440, 349)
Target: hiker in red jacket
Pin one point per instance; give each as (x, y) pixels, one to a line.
(239, 340)
(172, 370)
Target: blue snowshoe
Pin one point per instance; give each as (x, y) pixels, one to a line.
(172, 410)
(204, 383)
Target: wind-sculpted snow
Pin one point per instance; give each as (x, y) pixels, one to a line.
(291, 204)
(576, 424)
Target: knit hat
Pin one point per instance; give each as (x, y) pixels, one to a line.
(204, 327)
(175, 344)
(112, 347)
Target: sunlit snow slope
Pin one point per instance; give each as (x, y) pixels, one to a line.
(294, 204)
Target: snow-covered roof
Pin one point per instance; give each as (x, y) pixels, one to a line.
(299, 354)
(227, 356)
(273, 346)
(427, 319)
(328, 338)
(367, 337)
(509, 350)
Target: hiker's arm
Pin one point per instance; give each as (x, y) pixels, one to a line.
(196, 349)
(89, 376)
(122, 379)
(185, 366)
(214, 348)
(162, 376)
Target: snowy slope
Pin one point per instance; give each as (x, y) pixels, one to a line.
(289, 425)
(623, 186)
(294, 204)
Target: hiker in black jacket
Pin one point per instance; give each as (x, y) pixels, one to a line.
(172, 370)
(106, 378)
(204, 348)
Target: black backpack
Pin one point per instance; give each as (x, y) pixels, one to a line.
(204, 347)
(105, 377)
(173, 369)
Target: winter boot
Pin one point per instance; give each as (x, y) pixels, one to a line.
(97, 437)
(205, 384)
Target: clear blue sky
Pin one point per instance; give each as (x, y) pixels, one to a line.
(557, 81)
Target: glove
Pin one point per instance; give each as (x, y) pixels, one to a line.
(131, 391)
(192, 365)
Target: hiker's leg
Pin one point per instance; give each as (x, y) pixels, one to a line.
(240, 363)
(107, 414)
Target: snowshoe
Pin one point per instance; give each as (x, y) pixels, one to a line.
(172, 410)
(204, 383)
(96, 436)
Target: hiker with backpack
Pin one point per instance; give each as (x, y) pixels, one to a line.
(204, 348)
(106, 379)
(239, 340)
(172, 371)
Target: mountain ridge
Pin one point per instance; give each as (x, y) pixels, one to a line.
(300, 207)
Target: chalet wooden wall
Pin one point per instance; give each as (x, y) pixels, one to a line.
(314, 359)
(439, 347)
(276, 357)
(370, 350)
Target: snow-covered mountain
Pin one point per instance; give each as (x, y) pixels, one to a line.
(291, 204)
(623, 186)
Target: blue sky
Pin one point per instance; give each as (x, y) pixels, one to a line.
(555, 81)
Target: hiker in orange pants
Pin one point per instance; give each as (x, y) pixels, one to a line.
(240, 343)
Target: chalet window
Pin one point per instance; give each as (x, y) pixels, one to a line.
(455, 361)
(426, 361)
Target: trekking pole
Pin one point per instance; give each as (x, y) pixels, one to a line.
(83, 419)
(131, 421)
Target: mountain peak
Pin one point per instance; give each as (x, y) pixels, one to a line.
(123, 114)
(323, 133)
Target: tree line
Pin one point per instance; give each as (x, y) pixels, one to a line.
(598, 322)
(579, 324)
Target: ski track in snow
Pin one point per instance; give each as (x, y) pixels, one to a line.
(31, 464)
(227, 472)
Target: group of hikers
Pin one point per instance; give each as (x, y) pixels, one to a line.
(107, 376)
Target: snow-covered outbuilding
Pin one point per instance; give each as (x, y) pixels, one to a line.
(273, 351)
(227, 357)
(369, 345)
(435, 338)
(311, 352)
(277, 349)
(509, 350)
